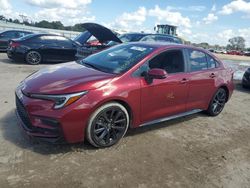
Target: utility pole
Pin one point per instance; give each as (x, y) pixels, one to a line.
(24, 18)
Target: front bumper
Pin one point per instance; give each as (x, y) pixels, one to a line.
(48, 130)
(39, 119)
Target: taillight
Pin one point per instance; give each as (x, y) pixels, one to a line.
(14, 44)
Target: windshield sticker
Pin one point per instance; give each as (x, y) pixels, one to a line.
(137, 48)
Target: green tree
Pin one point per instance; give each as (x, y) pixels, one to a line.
(2, 17)
(237, 43)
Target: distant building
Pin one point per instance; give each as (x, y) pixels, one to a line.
(166, 29)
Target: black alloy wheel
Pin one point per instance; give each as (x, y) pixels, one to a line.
(33, 57)
(218, 102)
(108, 125)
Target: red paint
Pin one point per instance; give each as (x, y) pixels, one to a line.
(163, 97)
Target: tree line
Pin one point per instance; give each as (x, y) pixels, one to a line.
(236, 43)
(45, 24)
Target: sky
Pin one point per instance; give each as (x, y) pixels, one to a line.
(198, 21)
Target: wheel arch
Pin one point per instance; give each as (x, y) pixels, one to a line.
(123, 103)
(226, 89)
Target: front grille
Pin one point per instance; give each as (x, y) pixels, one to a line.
(23, 113)
(53, 131)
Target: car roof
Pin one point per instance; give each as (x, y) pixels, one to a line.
(163, 45)
(164, 35)
(16, 31)
(135, 33)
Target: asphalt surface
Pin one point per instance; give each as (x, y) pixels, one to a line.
(195, 151)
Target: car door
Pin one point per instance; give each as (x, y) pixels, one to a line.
(49, 48)
(165, 97)
(201, 80)
(67, 48)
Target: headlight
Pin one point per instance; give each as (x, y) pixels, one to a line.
(60, 100)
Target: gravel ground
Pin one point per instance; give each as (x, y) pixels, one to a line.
(195, 151)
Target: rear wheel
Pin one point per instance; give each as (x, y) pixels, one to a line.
(218, 102)
(33, 57)
(107, 125)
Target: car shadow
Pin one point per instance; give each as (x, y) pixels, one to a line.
(158, 126)
(6, 60)
(239, 87)
(13, 133)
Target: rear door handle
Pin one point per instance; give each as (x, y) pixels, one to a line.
(184, 80)
(212, 75)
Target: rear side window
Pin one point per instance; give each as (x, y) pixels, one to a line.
(212, 63)
(64, 41)
(198, 60)
(48, 38)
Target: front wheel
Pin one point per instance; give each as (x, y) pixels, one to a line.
(33, 57)
(107, 125)
(217, 103)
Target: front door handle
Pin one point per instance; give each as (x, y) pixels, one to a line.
(212, 75)
(184, 80)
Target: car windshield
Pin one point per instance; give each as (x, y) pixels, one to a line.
(118, 59)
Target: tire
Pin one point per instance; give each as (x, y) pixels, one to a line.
(107, 125)
(33, 57)
(217, 103)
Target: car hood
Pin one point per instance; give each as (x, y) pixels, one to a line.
(65, 78)
(101, 33)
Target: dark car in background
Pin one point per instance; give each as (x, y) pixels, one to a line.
(37, 48)
(8, 35)
(129, 37)
(94, 39)
(246, 79)
(161, 38)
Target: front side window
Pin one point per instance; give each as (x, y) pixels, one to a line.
(198, 60)
(171, 61)
(118, 59)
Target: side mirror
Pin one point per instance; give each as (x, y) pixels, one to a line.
(154, 74)
(157, 73)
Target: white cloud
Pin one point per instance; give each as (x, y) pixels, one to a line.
(236, 6)
(213, 9)
(210, 18)
(130, 21)
(66, 16)
(226, 34)
(170, 17)
(72, 4)
(197, 8)
(68, 12)
(6, 8)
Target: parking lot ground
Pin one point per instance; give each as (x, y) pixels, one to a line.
(195, 151)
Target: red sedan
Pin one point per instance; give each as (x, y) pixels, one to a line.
(126, 86)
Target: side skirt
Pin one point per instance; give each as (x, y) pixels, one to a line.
(171, 117)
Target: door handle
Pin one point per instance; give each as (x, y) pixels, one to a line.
(212, 75)
(184, 80)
